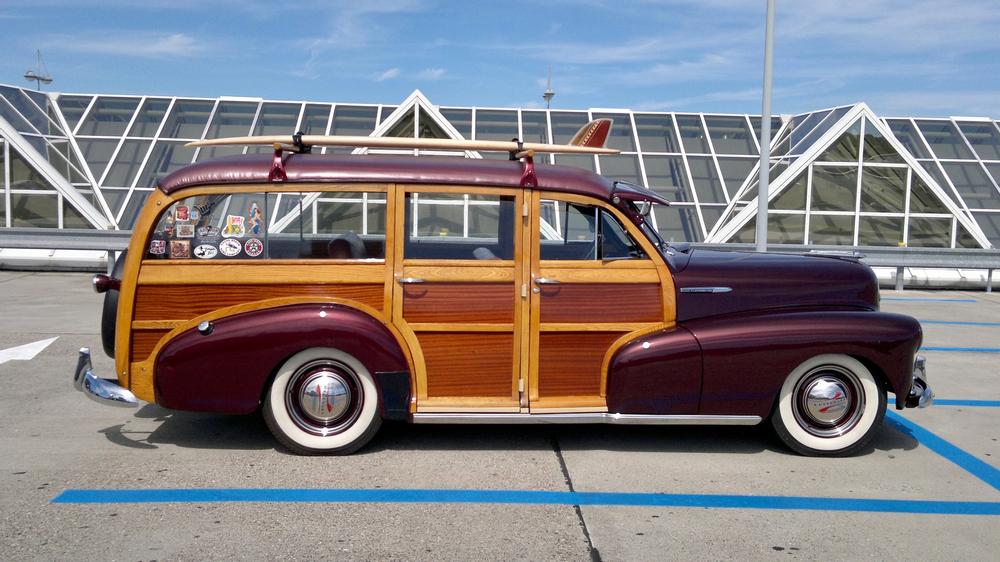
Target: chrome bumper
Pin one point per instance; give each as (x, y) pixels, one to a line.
(100, 390)
(921, 394)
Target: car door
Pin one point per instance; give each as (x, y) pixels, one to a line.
(596, 283)
(457, 295)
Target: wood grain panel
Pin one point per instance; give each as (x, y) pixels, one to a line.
(601, 302)
(569, 364)
(487, 303)
(181, 302)
(251, 272)
(468, 364)
(143, 342)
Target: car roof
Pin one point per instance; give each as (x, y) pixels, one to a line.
(384, 168)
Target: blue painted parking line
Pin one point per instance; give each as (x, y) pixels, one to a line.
(962, 349)
(926, 299)
(978, 468)
(959, 323)
(975, 403)
(528, 497)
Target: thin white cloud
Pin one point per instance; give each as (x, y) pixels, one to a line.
(388, 74)
(936, 104)
(709, 65)
(797, 90)
(130, 44)
(431, 73)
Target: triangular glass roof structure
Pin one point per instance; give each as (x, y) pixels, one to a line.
(840, 177)
(50, 164)
(417, 117)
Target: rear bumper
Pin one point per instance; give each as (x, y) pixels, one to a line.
(100, 390)
(921, 395)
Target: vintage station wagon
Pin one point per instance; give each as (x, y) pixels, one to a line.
(332, 292)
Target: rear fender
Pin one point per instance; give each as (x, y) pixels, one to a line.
(228, 370)
(746, 359)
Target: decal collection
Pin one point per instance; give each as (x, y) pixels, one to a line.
(186, 231)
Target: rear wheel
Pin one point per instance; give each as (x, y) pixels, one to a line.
(829, 405)
(322, 401)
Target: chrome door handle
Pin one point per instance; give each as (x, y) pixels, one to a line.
(546, 281)
(408, 280)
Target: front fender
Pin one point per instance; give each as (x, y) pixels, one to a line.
(658, 373)
(746, 359)
(227, 371)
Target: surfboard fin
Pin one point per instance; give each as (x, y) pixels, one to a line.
(593, 134)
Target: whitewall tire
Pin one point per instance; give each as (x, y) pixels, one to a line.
(830, 405)
(322, 401)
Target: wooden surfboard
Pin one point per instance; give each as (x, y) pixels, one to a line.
(589, 140)
(405, 143)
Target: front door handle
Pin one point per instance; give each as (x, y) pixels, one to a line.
(546, 281)
(409, 280)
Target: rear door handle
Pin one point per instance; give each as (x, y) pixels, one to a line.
(546, 281)
(409, 280)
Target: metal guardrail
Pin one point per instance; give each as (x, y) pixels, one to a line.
(110, 241)
(877, 256)
(888, 256)
(64, 239)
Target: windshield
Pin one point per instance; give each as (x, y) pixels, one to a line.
(652, 235)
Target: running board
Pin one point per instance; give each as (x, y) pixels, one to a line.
(596, 417)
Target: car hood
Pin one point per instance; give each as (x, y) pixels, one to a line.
(759, 281)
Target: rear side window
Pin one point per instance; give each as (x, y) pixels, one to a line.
(306, 225)
(459, 226)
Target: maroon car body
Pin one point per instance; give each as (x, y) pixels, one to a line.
(743, 327)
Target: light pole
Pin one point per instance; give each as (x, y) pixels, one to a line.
(765, 132)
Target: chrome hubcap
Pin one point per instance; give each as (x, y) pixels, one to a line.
(828, 401)
(324, 397)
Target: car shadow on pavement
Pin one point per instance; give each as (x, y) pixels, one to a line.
(153, 426)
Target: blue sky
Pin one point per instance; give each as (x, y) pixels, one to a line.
(915, 57)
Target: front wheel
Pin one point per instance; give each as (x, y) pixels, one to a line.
(829, 405)
(322, 401)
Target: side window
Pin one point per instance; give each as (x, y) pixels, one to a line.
(308, 225)
(320, 225)
(573, 231)
(212, 227)
(459, 226)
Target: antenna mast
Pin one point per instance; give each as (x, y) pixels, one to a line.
(549, 94)
(40, 75)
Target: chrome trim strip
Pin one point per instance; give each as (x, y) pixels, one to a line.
(706, 289)
(577, 418)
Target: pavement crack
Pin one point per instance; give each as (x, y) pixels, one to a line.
(595, 555)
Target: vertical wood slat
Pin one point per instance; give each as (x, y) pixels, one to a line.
(468, 364)
(569, 363)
